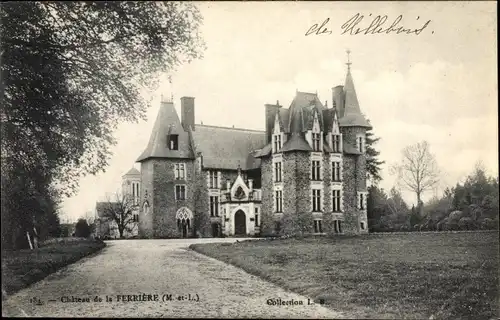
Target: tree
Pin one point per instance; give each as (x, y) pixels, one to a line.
(71, 71)
(120, 212)
(376, 208)
(82, 228)
(372, 162)
(417, 170)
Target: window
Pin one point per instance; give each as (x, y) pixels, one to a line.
(363, 225)
(337, 226)
(336, 171)
(277, 142)
(316, 139)
(316, 200)
(214, 206)
(135, 218)
(256, 220)
(336, 201)
(317, 226)
(173, 142)
(180, 171)
(277, 172)
(213, 181)
(361, 201)
(316, 169)
(336, 143)
(180, 192)
(360, 144)
(279, 200)
(135, 192)
(256, 210)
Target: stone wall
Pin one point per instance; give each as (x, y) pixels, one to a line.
(267, 207)
(165, 205)
(354, 181)
(350, 223)
(145, 220)
(297, 216)
(202, 204)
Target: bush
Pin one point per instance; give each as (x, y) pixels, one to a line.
(82, 229)
(489, 224)
(466, 223)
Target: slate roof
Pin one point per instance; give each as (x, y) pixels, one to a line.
(266, 150)
(296, 143)
(352, 115)
(301, 112)
(167, 122)
(349, 149)
(226, 148)
(230, 148)
(132, 172)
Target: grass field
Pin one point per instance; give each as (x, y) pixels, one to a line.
(414, 275)
(24, 267)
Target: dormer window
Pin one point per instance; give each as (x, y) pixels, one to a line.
(316, 140)
(173, 142)
(336, 143)
(277, 142)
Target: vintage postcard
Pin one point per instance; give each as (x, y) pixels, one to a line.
(251, 160)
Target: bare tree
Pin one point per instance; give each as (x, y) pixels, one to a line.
(121, 211)
(418, 170)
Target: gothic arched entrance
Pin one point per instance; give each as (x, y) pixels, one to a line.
(240, 223)
(184, 218)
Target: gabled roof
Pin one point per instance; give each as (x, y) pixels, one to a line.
(301, 112)
(296, 143)
(284, 117)
(226, 148)
(167, 122)
(132, 172)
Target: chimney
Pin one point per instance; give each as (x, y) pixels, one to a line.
(228, 184)
(338, 99)
(187, 112)
(250, 184)
(271, 110)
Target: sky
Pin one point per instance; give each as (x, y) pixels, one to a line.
(439, 86)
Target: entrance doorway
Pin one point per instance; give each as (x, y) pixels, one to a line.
(240, 223)
(184, 218)
(183, 226)
(216, 230)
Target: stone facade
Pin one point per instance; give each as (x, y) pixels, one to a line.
(295, 137)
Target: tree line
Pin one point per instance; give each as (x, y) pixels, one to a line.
(471, 205)
(71, 72)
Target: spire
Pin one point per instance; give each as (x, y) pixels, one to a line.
(351, 115)
(351, 99)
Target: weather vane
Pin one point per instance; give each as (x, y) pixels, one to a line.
(348, 59)
(171, 88)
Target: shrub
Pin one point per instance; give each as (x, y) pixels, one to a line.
(466, 223)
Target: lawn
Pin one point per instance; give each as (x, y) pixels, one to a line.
(414, 275)
(24, 267)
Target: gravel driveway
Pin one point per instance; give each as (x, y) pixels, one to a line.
(135, 273)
